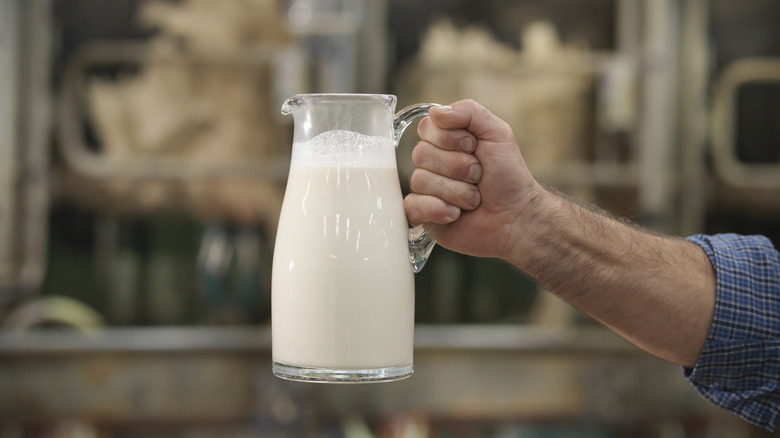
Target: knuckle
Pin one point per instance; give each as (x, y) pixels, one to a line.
(418, 154)
(423, 127)
(410, 206)
(470, 102)
(414, 182)
(412, 209)
(425, 155)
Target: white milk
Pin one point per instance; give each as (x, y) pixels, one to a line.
(342, 286)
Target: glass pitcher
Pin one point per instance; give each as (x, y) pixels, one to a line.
(342, 283)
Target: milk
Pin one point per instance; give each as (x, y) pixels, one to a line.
(342, 286)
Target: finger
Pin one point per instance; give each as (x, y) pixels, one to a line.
(448, 139)
(422, 209)
(475, 118)
(458, 193)
(454, 165)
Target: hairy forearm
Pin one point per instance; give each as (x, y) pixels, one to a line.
(657, 292)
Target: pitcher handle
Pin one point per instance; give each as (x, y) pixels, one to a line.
(420, 242)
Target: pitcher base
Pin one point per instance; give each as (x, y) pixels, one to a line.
(327, 375)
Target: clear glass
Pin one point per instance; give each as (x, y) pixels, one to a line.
(342, 283)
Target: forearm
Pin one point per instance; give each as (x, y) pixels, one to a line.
(657, 292)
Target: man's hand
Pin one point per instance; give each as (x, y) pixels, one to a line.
(471, 187)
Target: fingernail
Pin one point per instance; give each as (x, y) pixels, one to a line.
(444, 108)
(475, 198)
(466, 144)
(452, 213)
(475, 173)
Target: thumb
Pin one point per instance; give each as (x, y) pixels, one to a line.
(470, 115)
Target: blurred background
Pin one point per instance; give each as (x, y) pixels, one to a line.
(143, 160)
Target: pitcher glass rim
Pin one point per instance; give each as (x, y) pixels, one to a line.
(389, 100)
(342, 95)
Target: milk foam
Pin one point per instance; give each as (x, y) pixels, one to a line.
(340, 148)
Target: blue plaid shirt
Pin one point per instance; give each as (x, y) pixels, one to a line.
(739, 368)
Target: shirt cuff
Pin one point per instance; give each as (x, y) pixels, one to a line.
(739, 367)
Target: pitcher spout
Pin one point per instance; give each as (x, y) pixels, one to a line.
(288, 104)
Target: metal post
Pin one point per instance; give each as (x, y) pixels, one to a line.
(9, 122)
(695, 54)
(25, 42)
(659, 113)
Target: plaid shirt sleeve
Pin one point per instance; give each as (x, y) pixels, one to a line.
(739, 367)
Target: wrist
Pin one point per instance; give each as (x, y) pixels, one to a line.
(531, 228)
